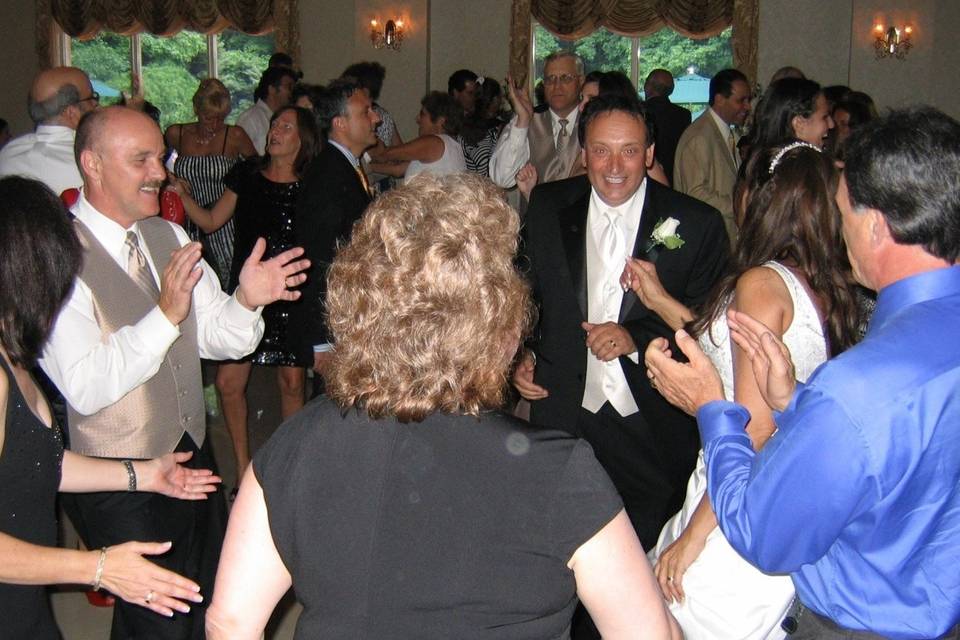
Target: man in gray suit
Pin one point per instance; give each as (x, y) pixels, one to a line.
(548, 140)
(707, 160)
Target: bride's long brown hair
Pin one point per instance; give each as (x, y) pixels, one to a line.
(787, 213)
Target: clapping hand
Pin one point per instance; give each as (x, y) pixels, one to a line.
(526, 179)
(263, 282)
(769, 357)
(687, 386)
(165, 475)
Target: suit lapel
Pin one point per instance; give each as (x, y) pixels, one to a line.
(643, 246)
(573, 230)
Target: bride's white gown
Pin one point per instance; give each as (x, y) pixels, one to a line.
(726, 597)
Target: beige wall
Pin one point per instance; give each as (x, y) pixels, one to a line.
(833, 44)
(440, 37)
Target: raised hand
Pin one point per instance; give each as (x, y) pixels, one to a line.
(769, 357)
(181, 275)
(608, 340)
(520, 101)
(128, 575)
(263, 282)
(167, 476)
(687, 386)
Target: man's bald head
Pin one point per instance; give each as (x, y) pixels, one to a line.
(658, 83)
(94, 125)
(60, 95)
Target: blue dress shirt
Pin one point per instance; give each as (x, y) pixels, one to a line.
(857, 495)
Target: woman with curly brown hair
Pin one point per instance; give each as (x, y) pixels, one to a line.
(406, 505)
(789, 270)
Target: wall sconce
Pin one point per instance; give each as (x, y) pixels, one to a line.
(892, 42)
(389, 35)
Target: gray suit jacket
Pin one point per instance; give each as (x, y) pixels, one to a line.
(704, 169)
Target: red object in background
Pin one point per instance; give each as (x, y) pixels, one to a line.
(171, 207)
(69, 196)
(100, 599)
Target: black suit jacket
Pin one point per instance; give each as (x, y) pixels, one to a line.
(331, 199)
(555, 254)
(670, 121)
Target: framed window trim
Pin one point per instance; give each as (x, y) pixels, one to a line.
(64, 52)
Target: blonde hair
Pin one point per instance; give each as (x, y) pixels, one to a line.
(212, 96)
(425, 303)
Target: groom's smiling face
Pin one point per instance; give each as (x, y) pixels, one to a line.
(616, 155)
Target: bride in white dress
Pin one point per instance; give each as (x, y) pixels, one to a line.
(789, 270)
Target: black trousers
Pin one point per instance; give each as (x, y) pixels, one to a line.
(649, 465)
(196, 529)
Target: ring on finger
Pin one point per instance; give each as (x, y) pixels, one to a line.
(150, 596)
(669, 578)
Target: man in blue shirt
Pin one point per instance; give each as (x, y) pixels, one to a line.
(857, 496)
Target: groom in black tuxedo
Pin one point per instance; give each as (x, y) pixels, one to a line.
(582, 372)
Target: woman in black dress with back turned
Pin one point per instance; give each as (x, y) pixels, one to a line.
(39, 259)
(405, 504)
(260, 196)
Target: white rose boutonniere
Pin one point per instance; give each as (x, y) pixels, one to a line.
(665, 233)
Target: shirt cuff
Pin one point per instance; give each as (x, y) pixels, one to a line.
(721, 418)
(238, 315)
(322, 348)
(160, 330)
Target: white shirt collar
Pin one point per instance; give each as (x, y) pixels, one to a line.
(354, 161)
(109, 233)
(55, 132)
(629, 211)
(725, 129)
(571, 121)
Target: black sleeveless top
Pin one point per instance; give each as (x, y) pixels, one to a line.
(29, 479)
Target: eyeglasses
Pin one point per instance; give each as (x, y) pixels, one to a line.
(93, 96)
(563, 79)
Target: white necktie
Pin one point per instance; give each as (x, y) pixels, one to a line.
(611, 239)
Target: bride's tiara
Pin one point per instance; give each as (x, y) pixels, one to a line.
(790, 147)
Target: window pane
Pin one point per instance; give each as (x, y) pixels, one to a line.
(106, 59)
(601, 50)
(242, 58)
(172, 69)
(692, 63)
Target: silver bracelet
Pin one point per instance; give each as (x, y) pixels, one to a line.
(99, 574)
(131, 475)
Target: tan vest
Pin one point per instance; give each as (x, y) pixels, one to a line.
(150, 420)
(551, 165)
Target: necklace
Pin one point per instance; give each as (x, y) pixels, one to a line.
(202, 140)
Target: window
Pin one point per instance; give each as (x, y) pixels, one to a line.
(171, 67)
(692, 62)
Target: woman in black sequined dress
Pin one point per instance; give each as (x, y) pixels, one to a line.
(260, 197)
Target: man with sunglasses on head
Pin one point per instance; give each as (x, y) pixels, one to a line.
(547, 140)
(57, 100)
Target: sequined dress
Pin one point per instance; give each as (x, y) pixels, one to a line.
(29, 479)
(265, 209)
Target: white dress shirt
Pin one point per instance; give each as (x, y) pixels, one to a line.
(605, 381)
(256, 122)
(46, 155)
(94, 370)
(725, 132)
(513, 148)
